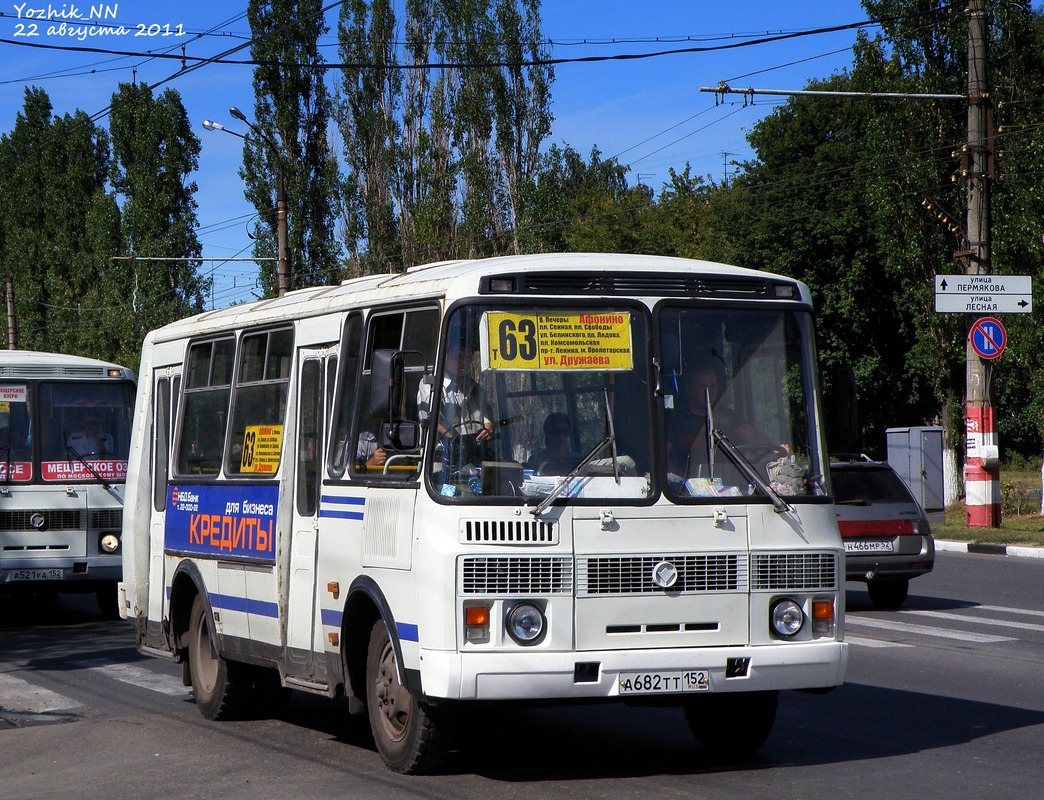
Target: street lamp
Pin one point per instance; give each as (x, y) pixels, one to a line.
(282, 273)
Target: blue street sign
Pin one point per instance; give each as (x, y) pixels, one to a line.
(988, 337)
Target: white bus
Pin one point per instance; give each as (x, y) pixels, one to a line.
(64, 439)
(486, 480)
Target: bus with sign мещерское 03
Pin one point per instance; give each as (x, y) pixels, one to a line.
(547, 477)
(64, 438)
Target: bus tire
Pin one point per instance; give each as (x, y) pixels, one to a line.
(403, 727)
(733, 724)
(108, 599)
(220, 686)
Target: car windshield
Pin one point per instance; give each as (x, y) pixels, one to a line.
(865, 486)
(525, 395)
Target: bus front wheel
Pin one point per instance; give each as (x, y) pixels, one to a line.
(733, 724)
(403, 727)
(219, 685)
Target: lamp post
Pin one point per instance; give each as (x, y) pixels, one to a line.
(282, 271)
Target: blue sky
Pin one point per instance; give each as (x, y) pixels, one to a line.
(650, 112)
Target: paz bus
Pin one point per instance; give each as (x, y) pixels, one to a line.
(487, 480)
(64, 439)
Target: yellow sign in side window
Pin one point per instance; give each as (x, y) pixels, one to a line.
(568, 341)
(261, 447)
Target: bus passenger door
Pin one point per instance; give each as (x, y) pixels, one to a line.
(165, 387)
(302, 625)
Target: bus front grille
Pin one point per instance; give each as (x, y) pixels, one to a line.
(793, 571)
(54, 520)
(501, 575)
(508, 531)
(634, 574)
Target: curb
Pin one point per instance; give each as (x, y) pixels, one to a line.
(990, 549)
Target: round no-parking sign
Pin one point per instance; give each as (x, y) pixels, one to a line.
(988, 337)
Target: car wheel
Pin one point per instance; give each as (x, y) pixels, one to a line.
(888, 592)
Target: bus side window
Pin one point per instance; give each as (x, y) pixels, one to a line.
(207, 389)
(414, 331)
(161, 444)
(341, 449)
(259, 402)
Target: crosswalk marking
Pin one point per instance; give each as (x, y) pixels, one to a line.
(861, 642)
(926, 630)
(1000, 623)
(18, 696)
(136, 676)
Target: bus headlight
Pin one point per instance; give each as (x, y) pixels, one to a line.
(109, 543)
(786, 618)
(525, 624)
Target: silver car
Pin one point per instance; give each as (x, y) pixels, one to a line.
(886, 535)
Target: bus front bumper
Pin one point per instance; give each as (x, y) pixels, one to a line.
(600, 674)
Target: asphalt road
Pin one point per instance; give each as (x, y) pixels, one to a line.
(944, 699)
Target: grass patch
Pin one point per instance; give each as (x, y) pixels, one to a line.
(1021, 521)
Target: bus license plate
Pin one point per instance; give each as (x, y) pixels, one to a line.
(869, 546)
(36, 575)
(664, 682)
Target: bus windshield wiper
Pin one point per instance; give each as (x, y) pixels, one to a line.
(748, 469)
(90, 468)
(610, 439)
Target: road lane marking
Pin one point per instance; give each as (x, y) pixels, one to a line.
(925, 630)
(18, 696)
(1000, 623)
(859, 641)
(136, 676)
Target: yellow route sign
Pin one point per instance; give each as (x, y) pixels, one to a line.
(566, 341)
(261, 447)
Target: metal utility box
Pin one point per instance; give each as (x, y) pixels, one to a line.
(917, 455)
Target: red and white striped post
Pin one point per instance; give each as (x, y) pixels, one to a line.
(981, 470)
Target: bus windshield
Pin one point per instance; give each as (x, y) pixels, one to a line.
(84, 430)
(527, 395)
(739, 386)
(559, 402)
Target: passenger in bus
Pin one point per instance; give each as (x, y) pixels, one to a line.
(369, 455)
(462, 408)
(91, 440)
(687, 426)
(558, 455)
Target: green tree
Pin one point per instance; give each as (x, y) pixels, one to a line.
(59, 227)
(293, 108)
(154, 153)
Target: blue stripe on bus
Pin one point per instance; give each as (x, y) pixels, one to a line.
(229, 602)
(407, 632)
(331, 617)
(340, 514)
(327, 500)
(349, 501)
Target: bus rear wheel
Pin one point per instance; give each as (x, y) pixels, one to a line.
(220, 686)
(404, 728)
(734, 724)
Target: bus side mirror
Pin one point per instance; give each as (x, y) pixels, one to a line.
(387, 378)
(402, 435)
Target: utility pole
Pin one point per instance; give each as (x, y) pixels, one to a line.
(981, 470)
(12, 324)
(282, 257)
